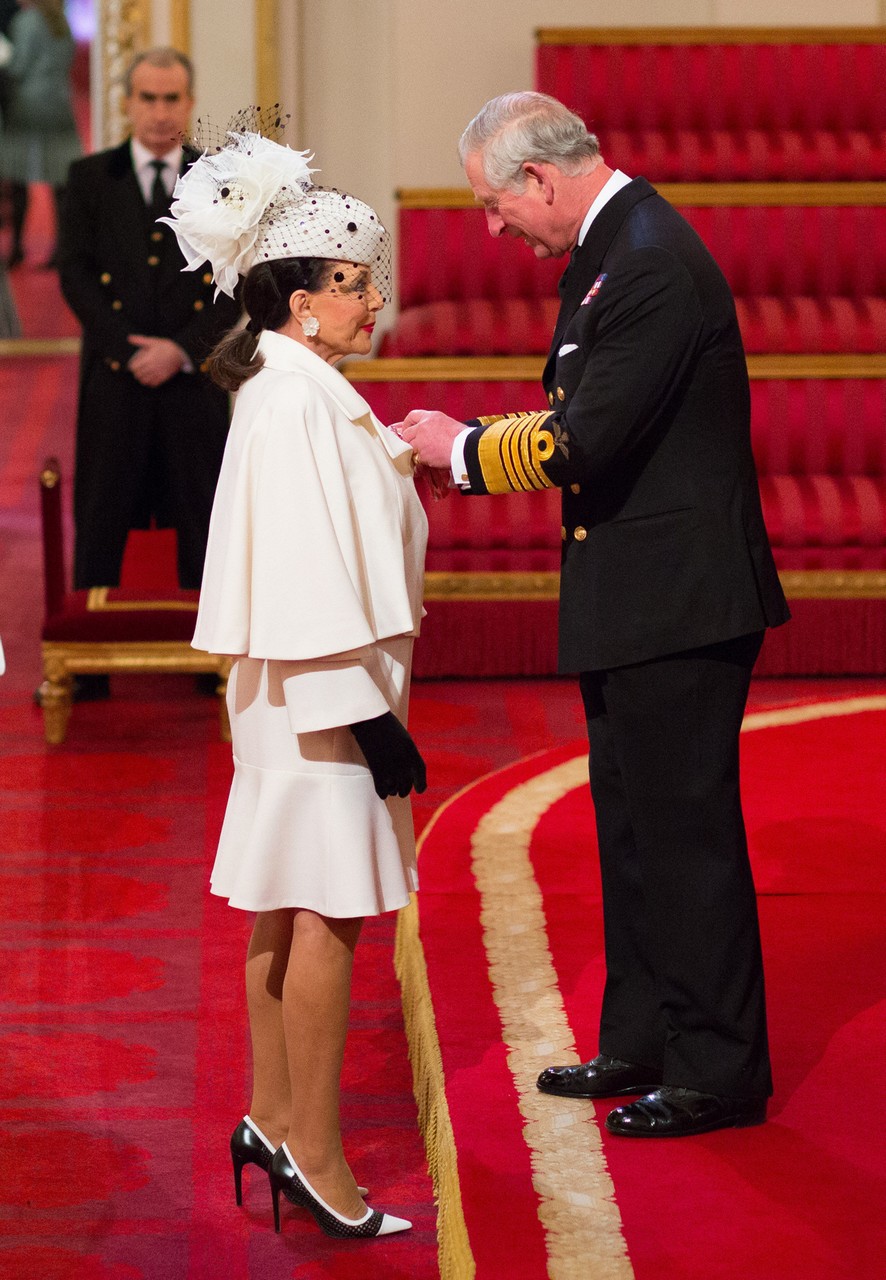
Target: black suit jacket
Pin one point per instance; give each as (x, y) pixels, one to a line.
(121, 273)
(664, 546)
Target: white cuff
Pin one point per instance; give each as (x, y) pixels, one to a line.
(325, 694)
(457, 460)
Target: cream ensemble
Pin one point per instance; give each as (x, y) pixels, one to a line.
(313, 582)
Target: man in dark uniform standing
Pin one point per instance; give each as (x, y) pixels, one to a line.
(667, 585)
(151, 426)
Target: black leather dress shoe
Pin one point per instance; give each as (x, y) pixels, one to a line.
(677, 1113)
(602, 1077)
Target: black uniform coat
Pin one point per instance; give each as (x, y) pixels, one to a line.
(649, 438)
(141, 451)
(667, 584)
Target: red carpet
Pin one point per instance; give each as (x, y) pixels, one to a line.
(794, 1200)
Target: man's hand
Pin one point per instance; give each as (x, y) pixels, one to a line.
(431, 435)
(156, 361)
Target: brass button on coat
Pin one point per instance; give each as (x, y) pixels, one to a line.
(114, 364)
(575, 488)
(199, 304)
(580, 533)
(561, 394)
(153, 261)
(105, 277)
(563, 533)
(156, 236)
(207, 277)
(550, 397)
(116, 305)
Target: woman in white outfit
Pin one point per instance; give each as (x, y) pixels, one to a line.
(313, 582)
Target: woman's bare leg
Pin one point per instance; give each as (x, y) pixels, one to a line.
(316, 1003)
(266, 962)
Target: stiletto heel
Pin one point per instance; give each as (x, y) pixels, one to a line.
(286, 1176)
(248, 1146)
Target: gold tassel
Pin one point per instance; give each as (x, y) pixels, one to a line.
(456, 1259)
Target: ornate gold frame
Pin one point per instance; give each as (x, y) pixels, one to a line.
(123, 27)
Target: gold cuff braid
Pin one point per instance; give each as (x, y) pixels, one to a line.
(512, 451)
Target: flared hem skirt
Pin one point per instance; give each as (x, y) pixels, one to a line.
(303, 825)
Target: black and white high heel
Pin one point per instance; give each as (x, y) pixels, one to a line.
(249, 1146)
(286, 1176)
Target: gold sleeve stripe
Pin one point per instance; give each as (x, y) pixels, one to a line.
(511, 452)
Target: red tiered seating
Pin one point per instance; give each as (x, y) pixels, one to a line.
(808, 277)
(819, 444)
(681, 104)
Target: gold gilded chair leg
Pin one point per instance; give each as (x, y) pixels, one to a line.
(56, 700)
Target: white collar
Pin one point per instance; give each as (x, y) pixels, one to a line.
(142, 157)
(280, 352)
(604, 195)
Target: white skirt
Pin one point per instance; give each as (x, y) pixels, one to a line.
(303, 826)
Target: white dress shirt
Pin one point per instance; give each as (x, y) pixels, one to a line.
(143, 164)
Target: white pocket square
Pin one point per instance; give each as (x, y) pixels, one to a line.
(570, 346)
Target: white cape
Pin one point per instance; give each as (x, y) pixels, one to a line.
(306, 554)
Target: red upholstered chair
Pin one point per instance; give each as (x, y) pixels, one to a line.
(108, 629)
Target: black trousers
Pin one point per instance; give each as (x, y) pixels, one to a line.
(143, 451)
(684, 987)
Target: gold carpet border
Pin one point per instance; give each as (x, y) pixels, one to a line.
(812, 711)
(577, 1207)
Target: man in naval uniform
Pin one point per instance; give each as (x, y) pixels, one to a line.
(151, 426)
(667, 586)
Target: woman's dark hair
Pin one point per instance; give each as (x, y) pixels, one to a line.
(266, 293)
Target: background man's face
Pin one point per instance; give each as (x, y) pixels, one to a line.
(159, 106)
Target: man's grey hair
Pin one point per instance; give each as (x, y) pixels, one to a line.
(516, 128)
(160, 57)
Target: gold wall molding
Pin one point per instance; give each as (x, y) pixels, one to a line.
(530, 368)
(798, 584)
(710, 35)
(267, 53)
(10, 347)
(700, 194)
(180, 25)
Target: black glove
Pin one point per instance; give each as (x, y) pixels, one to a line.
(392, 756)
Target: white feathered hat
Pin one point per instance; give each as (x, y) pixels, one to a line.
(252, 200)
